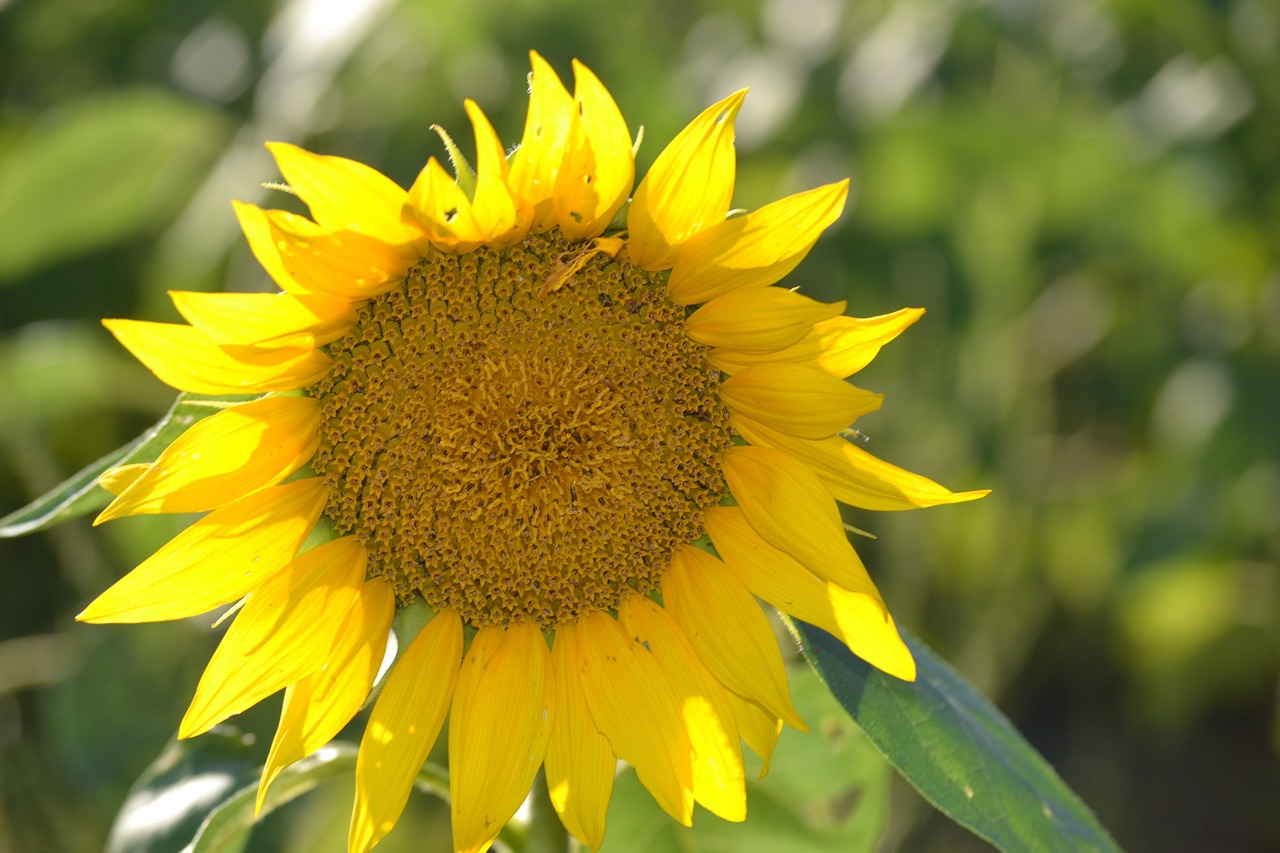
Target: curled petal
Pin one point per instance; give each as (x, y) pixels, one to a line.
(856, 615)
(116, 480)
(851, 474)
(536, 163)
(760, 728)
(759, 320)
(788, 506)
(501, 217)
(185, 358)
(598, 167)
(840, 346)
(345, 265)
(757, 249)
(257, 232)
(798, 400)
(344, 194)
(688, 188)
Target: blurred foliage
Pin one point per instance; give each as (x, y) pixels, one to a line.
(1085, 195)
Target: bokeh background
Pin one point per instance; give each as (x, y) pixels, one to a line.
(1082, 193)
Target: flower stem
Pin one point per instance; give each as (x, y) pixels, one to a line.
(546, 833)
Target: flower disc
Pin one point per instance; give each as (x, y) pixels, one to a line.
(512, 451)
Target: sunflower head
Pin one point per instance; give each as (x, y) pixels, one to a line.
(583, 449)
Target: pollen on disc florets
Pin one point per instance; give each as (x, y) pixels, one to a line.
(514, 455)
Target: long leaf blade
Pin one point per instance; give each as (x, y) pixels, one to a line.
(958, 750)
(80, 493)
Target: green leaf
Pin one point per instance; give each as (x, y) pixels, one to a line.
(81, 493)
(174, 797)
(106, 168)
(958, 750)
(199, 795)
(227, 827)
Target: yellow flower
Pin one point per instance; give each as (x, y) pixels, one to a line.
(497, 403)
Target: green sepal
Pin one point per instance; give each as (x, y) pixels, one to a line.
(619, 221)
(407, 623)
(81, 493)
(957, 749)
(462, 171)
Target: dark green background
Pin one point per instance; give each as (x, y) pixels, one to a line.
(1083, 194)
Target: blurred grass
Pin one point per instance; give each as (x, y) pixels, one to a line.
(1084, 195)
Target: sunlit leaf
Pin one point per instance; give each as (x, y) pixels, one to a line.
(958, 750)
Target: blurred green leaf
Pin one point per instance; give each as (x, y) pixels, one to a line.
(227, 827)
(81, 493)
(104, 169)
(958, 750)
(173, 798)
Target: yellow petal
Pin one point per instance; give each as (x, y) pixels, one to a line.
(337, 264)
(788, 506)
(759, 728)
(598, 168)
(758, 320)
(442, 210)
(772, 574)
(799, 400)
(718, 780)
(257, 232)
(224, 457)
(116, 480)
(732, 635)
(317, 707)
(499, 727)
(218, 559)
(688, 188)
(501, 217)
(851, 474)
(536, 162)
(276, 319)
(185, 358)
(840, 346)
(757, 249)
(636, 707)
(856, 615)
(344, 194)
(283, 633)
(580, 764)
(403, 727)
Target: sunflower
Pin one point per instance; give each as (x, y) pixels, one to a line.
(572, 434)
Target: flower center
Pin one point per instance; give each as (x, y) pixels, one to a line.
(514, 455)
